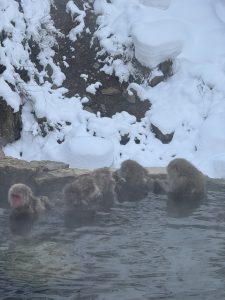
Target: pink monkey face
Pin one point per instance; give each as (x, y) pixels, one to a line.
(16, 201)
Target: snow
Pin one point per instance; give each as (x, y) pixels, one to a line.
(163, 4)
(190, 103)
(82, 156)
(92, 88)
(159, 41)
(74, 10)
(84, 76)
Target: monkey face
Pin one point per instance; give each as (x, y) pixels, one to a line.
(19, 196)
(16, 200)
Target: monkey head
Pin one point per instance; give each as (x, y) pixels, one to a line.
(83, 192)
(19, 196)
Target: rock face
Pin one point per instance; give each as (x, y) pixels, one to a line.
(10, 124)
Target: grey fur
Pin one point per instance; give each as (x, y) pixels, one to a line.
(95, 190)
(132, 181)
(30, 203)
(186, 184)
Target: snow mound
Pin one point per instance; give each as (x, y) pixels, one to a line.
(90, 152)
(78, 17)
(212, 135)
(220, 9)
(158, 41)
(92, 88)
(216, 166)
(163, 4)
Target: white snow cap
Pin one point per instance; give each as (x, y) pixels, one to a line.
(163, 4)
(90, 152)
(158, 41)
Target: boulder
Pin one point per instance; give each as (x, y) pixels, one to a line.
(10, 123)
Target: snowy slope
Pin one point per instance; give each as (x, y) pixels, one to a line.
(191, 103)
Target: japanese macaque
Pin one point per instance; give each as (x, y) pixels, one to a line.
(132, 181)
(106, 183)
(87, 194)
(83, 193)
(21, 199)
(81, 199)
(95, 190)
(186, 185)
(22, 222)
(25, 207)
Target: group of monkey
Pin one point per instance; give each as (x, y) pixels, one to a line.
(99, 190)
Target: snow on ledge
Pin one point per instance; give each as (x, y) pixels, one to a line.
(78, 16)
(163, 4)
(158, 41)
(89, 152)
(92, 88)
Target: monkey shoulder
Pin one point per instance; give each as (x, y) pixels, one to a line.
(40, 204)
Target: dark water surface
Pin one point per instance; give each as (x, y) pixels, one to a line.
(135, 252)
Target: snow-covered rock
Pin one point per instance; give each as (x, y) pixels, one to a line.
(158, 41)
(163, 4)
(90, 152)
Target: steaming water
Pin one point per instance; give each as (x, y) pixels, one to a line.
(135, 252)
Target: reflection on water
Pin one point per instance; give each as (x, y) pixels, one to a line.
(135, 252)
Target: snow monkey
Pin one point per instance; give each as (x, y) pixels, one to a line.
(132, 181)
(25, 207)
(87, 194)
(83, 193)
(95, 190)
(186, 184)
(107, 184)
(22, 199)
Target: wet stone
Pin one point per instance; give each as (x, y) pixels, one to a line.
(110, 91)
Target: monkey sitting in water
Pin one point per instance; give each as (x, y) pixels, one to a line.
(87, 194)
(25, 207)
(132, 181)
(22, 199)
(186, 186)
(107, 184)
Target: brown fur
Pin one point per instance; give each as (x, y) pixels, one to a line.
(106, 183)
(132, 181)
(95, 190)
(30, 203)
(82, 193)
(185, 182)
